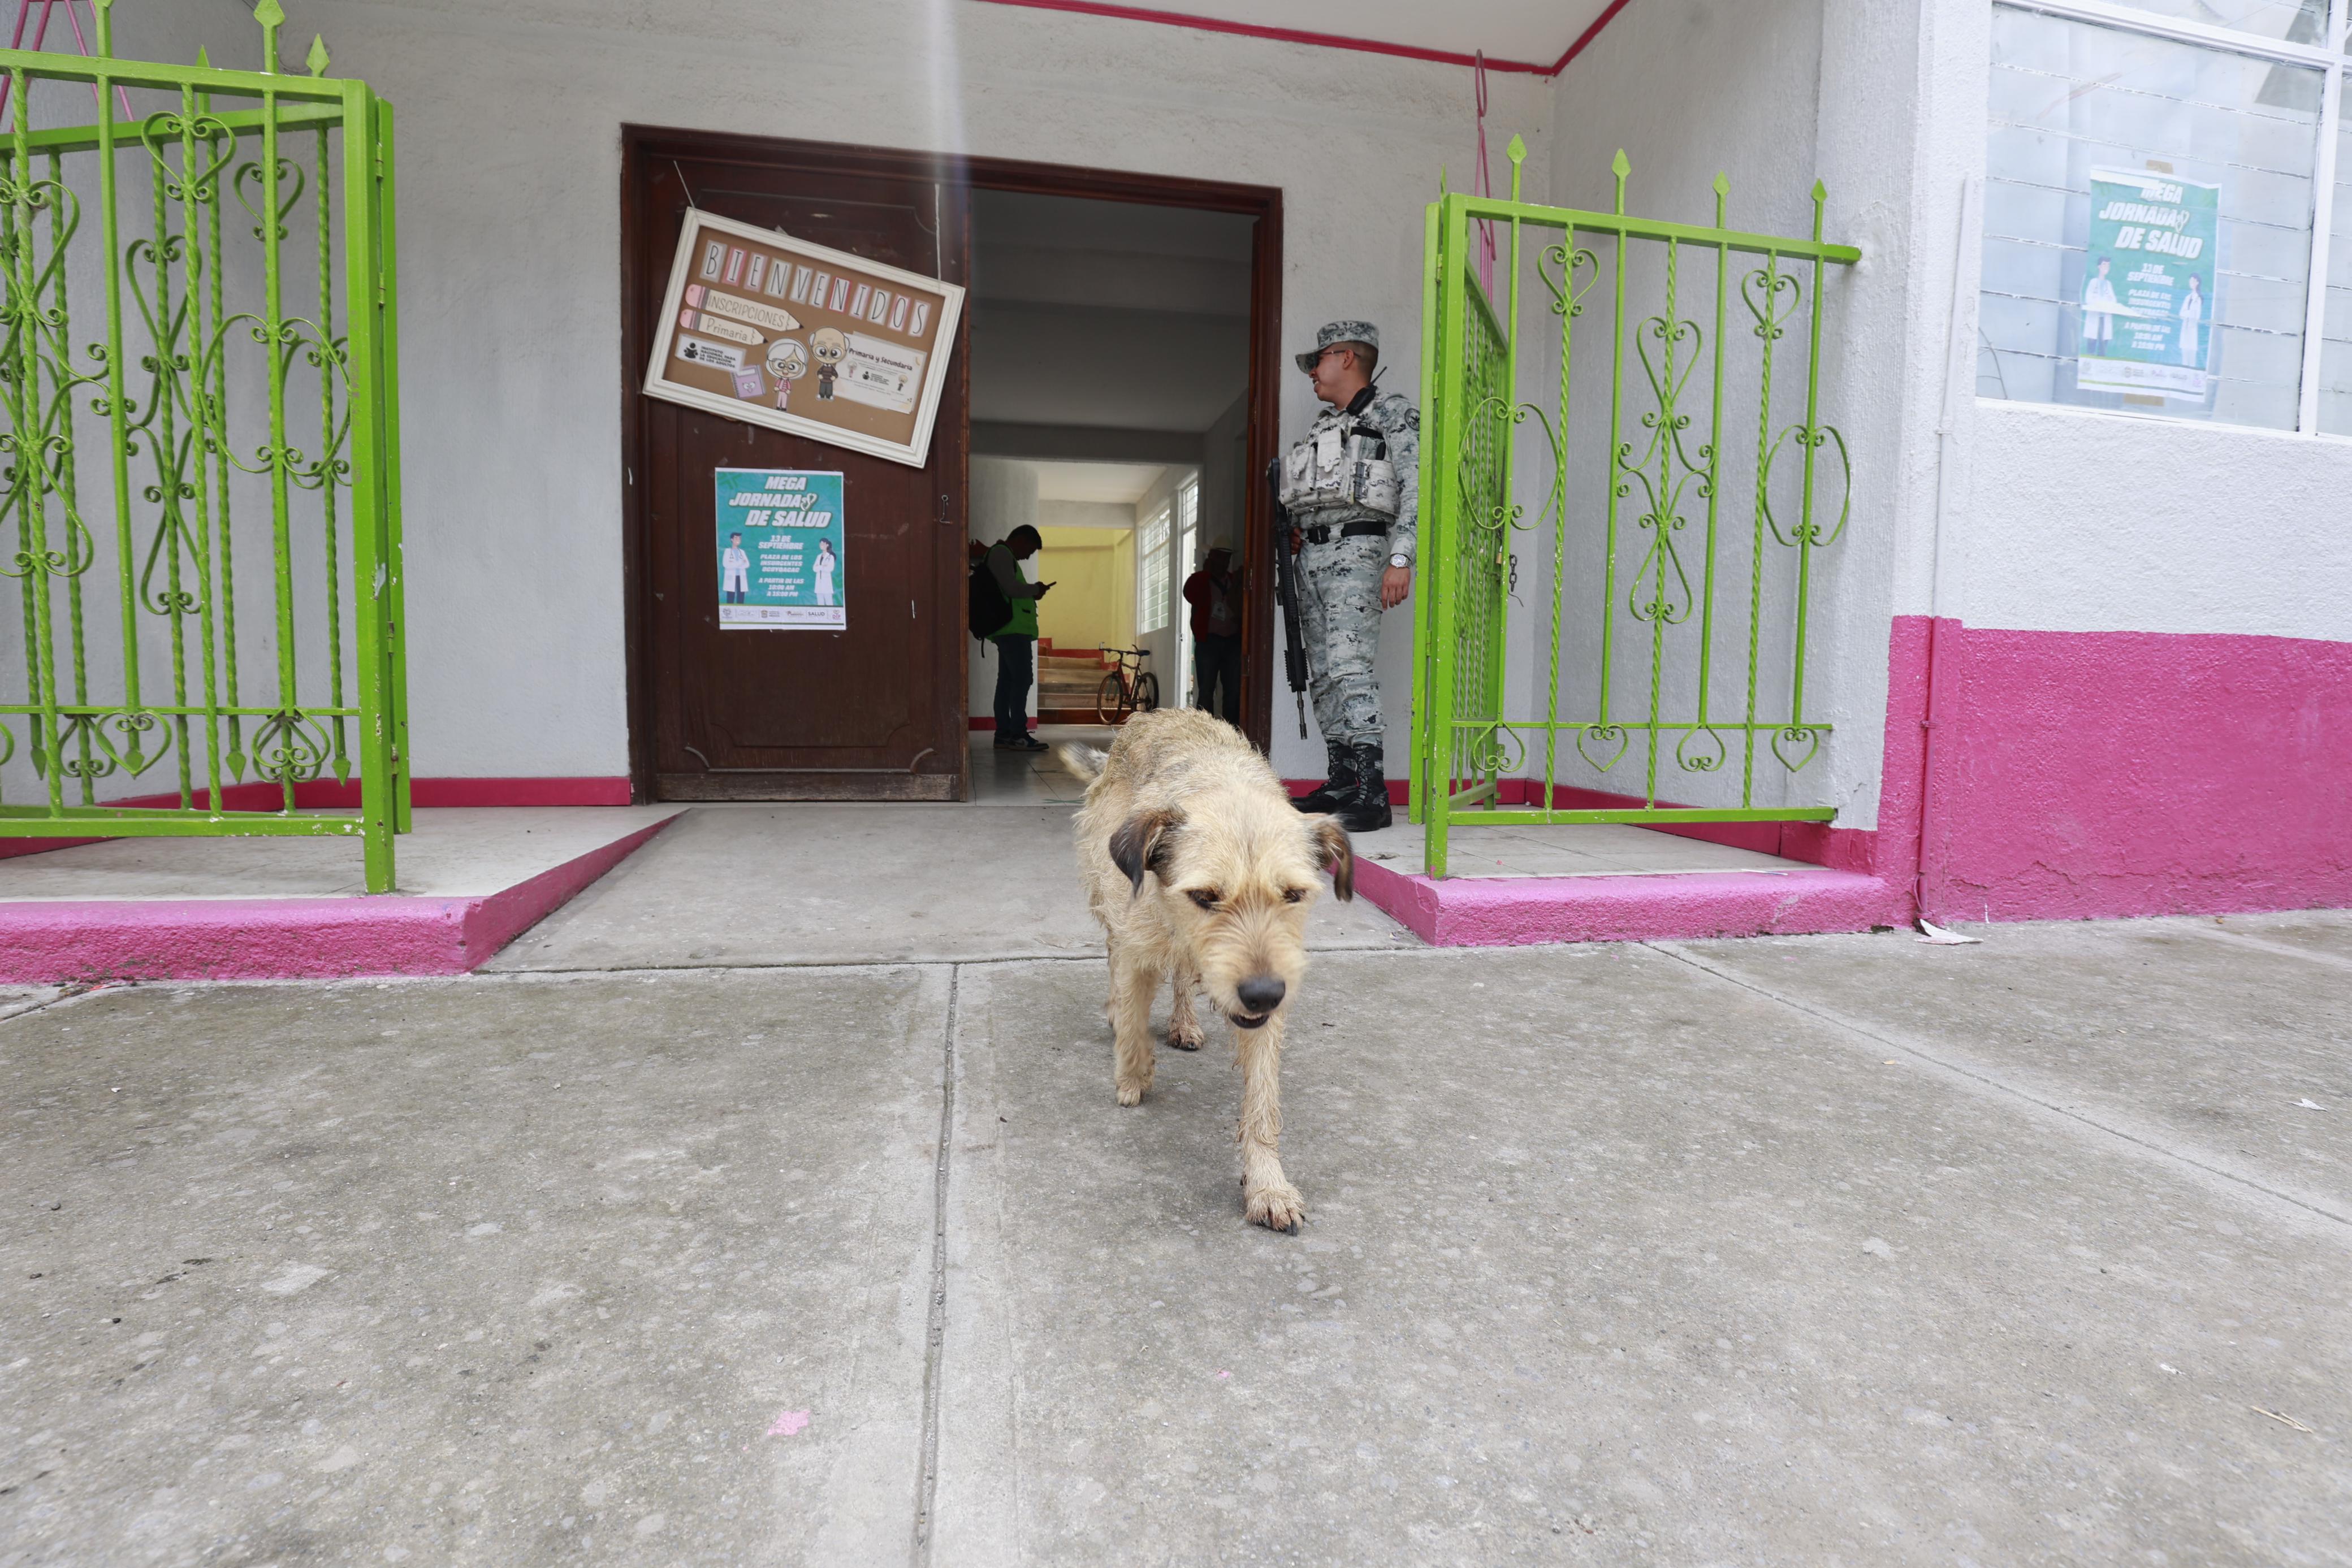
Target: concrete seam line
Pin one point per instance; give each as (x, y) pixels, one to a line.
(2240, 939)
(70, 994)
(2305, 1207)
(927, 1475)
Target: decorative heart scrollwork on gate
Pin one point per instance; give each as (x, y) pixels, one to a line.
(1763, 290)
(1496, 750)
(1485, 506)
(290, 184)
(191, 181)
(1786, 739)
(1607, 735)
(1814, 438)
(290, 747)
(1706, 759)
(1556, 266)
(85, 750)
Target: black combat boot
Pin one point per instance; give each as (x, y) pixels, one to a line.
(1366, 810)
(1338, 789)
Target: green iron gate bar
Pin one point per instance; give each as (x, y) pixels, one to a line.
(202, 499)
(1646, 486)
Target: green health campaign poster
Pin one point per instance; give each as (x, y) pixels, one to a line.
(780, 551)
(2147, 283)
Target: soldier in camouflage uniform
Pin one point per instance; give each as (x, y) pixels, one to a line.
(1355, 542)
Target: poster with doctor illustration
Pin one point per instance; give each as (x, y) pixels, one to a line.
(2147, 310)
(780, 543)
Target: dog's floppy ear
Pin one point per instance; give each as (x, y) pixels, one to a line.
(1140, 843)
(1338, 853)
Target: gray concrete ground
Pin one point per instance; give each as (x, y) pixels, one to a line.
(735, 885)
(1808, 1251)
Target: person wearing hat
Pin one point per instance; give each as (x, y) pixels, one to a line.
(1352, 490)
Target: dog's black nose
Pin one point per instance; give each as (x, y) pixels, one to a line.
(1260, 993)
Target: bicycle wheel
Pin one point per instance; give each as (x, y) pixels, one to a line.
(1110, 699)
(1146, 692)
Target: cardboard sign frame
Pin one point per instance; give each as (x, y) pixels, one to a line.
(915, 451)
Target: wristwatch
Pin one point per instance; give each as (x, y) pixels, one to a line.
(1400, 560)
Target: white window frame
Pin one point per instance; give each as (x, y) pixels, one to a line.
(1185, 525)
(2329, 58)
(1152, 609)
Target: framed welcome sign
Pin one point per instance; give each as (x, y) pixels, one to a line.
(804, 339)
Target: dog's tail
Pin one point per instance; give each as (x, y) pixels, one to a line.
(1086, 761)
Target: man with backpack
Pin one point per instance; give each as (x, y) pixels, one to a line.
(1003, 607)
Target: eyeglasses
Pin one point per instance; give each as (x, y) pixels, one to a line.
(1334, 349)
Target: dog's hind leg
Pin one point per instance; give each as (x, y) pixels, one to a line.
(1132, 987)
(1183, 1027)
(1267, 1196)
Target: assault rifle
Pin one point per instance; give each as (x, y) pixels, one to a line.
(1285, 592)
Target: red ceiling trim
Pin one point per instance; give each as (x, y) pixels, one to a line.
(1586, 36)
(1321, 40)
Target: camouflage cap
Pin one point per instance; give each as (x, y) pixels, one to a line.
(1332, 332)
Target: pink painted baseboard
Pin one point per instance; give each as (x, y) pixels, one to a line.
(2084, 775)
(286, 938)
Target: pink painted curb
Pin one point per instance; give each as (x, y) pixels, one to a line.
(1516, 911)
(46, 944)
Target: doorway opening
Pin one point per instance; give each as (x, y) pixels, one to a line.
(1114, 320)
(1110, 393)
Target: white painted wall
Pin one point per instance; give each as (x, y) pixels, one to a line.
(2067, 520)
(509, 120)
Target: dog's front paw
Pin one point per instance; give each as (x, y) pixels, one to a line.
(1275, 1207)
(1185, 1036)
(1131, 1090)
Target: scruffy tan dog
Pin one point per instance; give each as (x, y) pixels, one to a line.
(1200, 869)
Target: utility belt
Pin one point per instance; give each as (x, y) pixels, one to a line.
(1323, 533)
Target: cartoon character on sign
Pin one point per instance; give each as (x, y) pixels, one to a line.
(788, 363)
(735, 571)
(827, 346)
(824, 567)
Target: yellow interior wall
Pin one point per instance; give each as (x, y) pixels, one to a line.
(1088, 608)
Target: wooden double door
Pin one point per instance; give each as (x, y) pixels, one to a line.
(874, 711)
(878, 710)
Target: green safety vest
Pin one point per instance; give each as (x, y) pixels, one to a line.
(1025, 611)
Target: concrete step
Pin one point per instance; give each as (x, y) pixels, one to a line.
(470, 880)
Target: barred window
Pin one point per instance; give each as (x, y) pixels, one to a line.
(2160, 194)
(1151, 571)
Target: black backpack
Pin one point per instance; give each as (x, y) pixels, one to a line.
(987, 608)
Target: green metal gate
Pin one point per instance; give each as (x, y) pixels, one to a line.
(1645, 631)
(202, 503)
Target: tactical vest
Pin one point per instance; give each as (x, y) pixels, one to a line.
(1342, 462)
